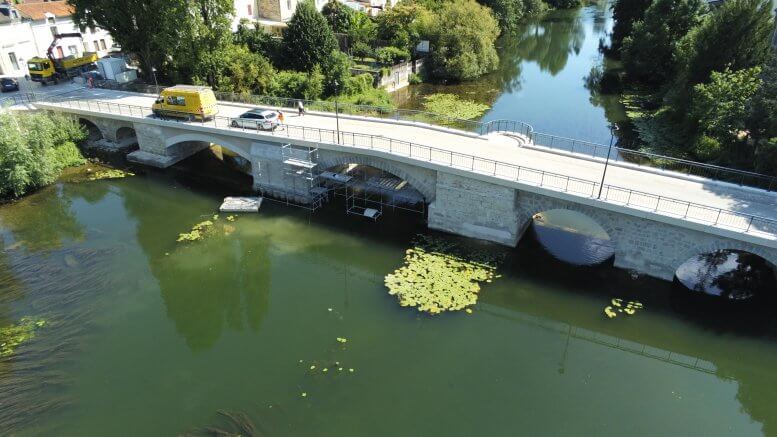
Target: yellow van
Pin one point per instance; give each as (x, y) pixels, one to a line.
(186, 101)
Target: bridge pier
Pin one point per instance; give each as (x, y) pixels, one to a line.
(476, 209)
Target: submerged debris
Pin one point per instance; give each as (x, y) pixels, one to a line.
(438, 276)
(617, 307)
(14, 335)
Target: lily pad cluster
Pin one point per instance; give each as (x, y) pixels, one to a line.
(206, 229)
(109, 174)
(617, 307)
(14, 335)
(438, 276)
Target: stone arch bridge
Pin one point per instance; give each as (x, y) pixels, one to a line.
(467, 195)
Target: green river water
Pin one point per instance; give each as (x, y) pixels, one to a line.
(146, 336)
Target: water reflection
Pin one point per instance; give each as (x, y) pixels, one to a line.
(549, 42)
(572, 237)
(732, 275)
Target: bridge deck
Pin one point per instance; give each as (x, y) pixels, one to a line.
(505, 149)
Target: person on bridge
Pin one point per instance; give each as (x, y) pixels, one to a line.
(280, 117)
(300, 108)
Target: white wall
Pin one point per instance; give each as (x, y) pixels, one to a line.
(16, 38)
(244, 9)
(43, 37)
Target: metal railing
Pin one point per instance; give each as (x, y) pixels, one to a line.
(658, 204)
(17, 99)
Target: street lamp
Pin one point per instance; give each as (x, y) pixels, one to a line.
(337, 112)
(613, 128)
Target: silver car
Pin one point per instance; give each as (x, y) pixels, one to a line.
(257, 119)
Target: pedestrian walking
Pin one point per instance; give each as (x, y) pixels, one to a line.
(280, 117)
(300, 108)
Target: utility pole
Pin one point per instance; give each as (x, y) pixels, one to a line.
(337, 112)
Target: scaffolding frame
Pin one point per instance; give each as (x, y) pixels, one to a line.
(300, 169)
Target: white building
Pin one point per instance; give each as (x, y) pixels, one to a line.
(27, 30)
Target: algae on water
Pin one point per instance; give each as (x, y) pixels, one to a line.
(438, 276)
(14, 335)
(109, 174)
(206, 229)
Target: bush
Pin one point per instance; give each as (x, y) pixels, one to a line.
(391, 55)
(34, 148)
(358, 84)
(362, 50)
(372, 97)
(415, 79)
(564, 4)
(337, 70)
(299, 85)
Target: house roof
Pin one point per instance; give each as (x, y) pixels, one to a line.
(37, 11)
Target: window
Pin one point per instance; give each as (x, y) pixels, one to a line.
(250, 11)
(96, 46)
(92, 29)
(54, 31)
(86, 46)
(288, 5)
(176, 100)
(14, 62)
(102, 44)
(73, 50)
(51, 20)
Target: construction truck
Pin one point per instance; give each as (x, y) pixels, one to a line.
(50, 69)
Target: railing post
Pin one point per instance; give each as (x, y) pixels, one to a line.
(750, 224)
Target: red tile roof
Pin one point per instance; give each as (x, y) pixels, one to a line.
(37, 11)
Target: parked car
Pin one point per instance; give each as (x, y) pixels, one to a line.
(257, 119)
(9, 84)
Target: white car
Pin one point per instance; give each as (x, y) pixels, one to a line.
(257, 119)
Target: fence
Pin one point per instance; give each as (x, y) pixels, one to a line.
(616, 195)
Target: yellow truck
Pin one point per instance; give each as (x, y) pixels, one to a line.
(50, 69)
(189, 102)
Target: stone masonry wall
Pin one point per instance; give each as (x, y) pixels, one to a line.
(475, 209)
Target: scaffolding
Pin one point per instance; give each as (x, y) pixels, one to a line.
(301, 173)
(368, 190)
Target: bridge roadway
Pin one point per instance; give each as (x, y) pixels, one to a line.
(506, 149)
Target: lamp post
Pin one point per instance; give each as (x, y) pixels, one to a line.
(613, 128)
(337, 112)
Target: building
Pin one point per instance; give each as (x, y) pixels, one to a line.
(27, 30)
(273, 14)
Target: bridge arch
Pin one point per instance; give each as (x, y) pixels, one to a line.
(196, 137)
(426, 189)
(93, 129)
(572, 235)
(716, 246)
(125, 132)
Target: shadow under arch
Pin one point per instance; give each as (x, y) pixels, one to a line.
(94, 132)
(572, 236)
(735, 275)
(426, 190)
(177, 142)
(124, 133)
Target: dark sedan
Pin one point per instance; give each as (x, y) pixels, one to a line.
(9, 84)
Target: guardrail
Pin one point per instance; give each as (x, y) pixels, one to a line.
(718, 217)
(17, 99)
(525, 130)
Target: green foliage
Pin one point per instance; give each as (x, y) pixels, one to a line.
(362, 50)
(337, 70)
(510, 13)
(564, 4)
(370, 97)
(307, 40)
(338, 15)
(736, 36)
(242, 71)
(34, 148)
(358, 84)
(766, 156)
(299, 85)
(721, 107)
(762, 119)
(626, 13)
(363, 29)
(452, 106)
(401, 25)
(391, 55)
(415, 79)
(256, 39)
(649, 52)
(462, 34)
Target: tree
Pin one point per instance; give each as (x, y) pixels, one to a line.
(720, 110)
(299, 85)
(736, 36)
(510, 13)
(244, 72)
(625, 13)
(649, 52)
(148, 28)
(307, 40)
(204, 40)
(338, 15)
(363, 30)
(564, 4)
(462, 35)
(401, 25)
(336, 70)
(255, 38)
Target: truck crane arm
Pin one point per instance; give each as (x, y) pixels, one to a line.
(57, 37)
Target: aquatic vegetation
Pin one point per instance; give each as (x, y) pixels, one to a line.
(438, 276)
(14, 335)
(342, 340)
(198, 232)
(230, 218)
(617, 307)
(237, 423)
(453, 106)
(109, 174)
